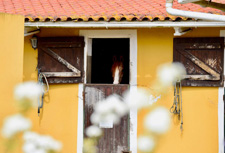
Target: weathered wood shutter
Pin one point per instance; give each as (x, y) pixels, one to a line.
(203, 59)
(61, 59)
(115, 139)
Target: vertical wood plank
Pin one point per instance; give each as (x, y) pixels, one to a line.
(115, 139)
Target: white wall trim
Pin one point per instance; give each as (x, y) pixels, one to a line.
(221, 120)
(221, 110)
(80, 120)
(132, 34)
(126, 24)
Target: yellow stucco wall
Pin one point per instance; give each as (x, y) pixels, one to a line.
(11, 60)
(200, 104)
(59, 117)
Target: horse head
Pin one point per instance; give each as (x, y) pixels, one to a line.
(117, 70)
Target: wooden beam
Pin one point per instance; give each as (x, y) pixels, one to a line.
(200, 77)
(61, 60)
(61, 74)
(200, 63)
(208, 46)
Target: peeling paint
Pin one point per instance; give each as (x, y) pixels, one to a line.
(78, 61)
(211, 62)
(95, 92)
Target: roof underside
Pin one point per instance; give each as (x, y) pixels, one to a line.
(98, 10)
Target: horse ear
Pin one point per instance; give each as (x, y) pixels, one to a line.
(121, 59)
(114, 59)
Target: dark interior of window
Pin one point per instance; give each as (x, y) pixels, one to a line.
(103, 52)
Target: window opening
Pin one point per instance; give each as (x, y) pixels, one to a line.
(104, 53)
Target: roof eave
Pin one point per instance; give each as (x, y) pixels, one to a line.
(142, 24)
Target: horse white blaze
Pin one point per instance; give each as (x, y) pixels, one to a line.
(117, 70)
(116, 76)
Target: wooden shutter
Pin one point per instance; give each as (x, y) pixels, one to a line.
(115, 139)
(61, 59)
(203, 59)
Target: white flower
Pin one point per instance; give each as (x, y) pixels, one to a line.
(30, 136)
(29, 147)
(28, 91)
(111, 104)
(146, 144)
(40, 143)
(93, 131)
(48, 143)
(138, 99)
(111, 117)
(39, 151)
(110, 109)
(170, 73)
(89, 145)
(116, 105)
(15, 124)
(102, 107)
(100, 118)
(95, 118)
(158, 121)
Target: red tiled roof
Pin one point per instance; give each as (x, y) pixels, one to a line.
(97, 10)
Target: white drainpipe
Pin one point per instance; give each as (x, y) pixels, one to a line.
(190, 14)
(187, 1)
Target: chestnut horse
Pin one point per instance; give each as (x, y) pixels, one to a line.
(117, 70)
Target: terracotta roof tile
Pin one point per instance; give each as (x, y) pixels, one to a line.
(98, 10)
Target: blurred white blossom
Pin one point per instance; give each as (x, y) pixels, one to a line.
(29, 147)
(89, 145)
(35, 143)
(139, 98)
(15, 124)
(28, 92)
(93, 131)
(158, 121)
(40, 151)
(110, 109)
(146, 144)
(170, 73)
